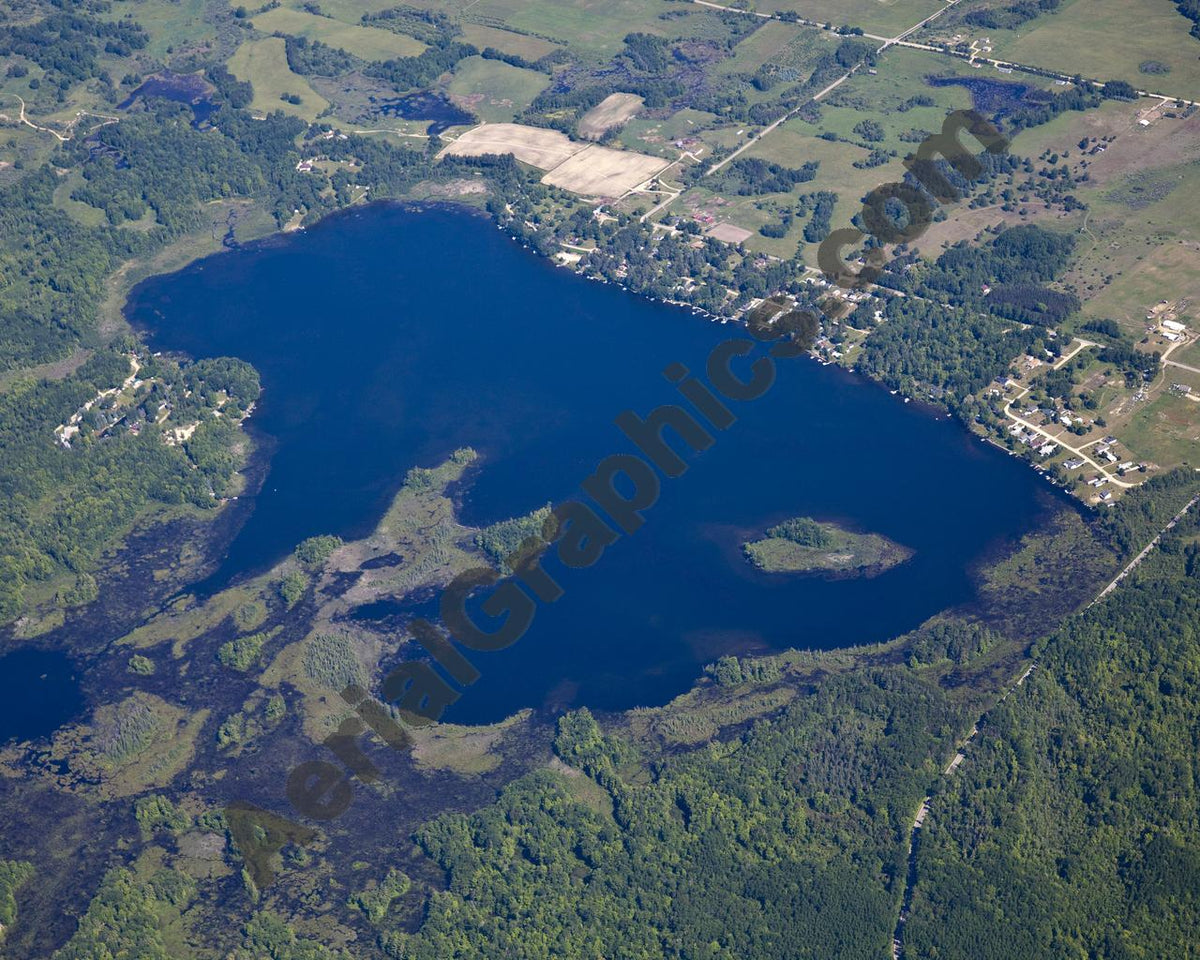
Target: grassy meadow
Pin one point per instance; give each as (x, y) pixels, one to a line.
(263, 64)
(369, 43)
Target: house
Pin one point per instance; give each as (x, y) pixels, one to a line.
(1047, 448)
(1073, 464)
(1106, 496)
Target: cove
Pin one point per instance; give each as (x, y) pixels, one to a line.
(387, 337)
(39, 692)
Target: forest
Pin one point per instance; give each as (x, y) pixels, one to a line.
(950, 336)
(1074, 828)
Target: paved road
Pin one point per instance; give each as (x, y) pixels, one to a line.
(1057, 438)
(901, 41)
(787, 116)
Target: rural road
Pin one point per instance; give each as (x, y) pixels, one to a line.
(1078, 451)
(106, 120)
(960, 755)
(787, 116)
(1145, 552)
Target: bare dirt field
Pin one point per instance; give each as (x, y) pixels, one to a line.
(728, 233)
(615, 110)
(539, 147)
(603, 172)
(587, 169)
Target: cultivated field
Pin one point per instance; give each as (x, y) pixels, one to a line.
(599, 171)
(615, 110)
(587, 169)
(537, 146)
(370, 43)
(263, 63)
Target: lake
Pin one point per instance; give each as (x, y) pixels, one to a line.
(388, 337)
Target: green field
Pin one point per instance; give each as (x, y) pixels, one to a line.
(506, 41)
(1149, 253)
(83, 213)
(263, 63)
(173, 27)
(1108, 39)
(885, 17)
(1167, 430)
(596, 27)
(369, 43)
(494, 90)
(901, 76)
(781, 44)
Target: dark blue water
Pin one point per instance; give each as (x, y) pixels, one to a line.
(425, 106)
(387, 338)
(39, 692)
(188, 88)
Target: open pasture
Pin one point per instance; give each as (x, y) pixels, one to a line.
(884, 17)
(1109, 40)
(263, 64)
(369, 43)
(506, 41)
(494, 90)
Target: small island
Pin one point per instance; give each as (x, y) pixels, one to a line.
(804, 545)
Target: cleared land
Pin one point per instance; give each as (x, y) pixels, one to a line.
(1109, 39)
(370, 43)
(587, 169)
(493, 90)
(596, 25)
(728, 233)
(888, 17)
(506, 41)
(178, 26)
(784, 45)
(537, 146)
(263, 63)
(615, 110)
(603, 172)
